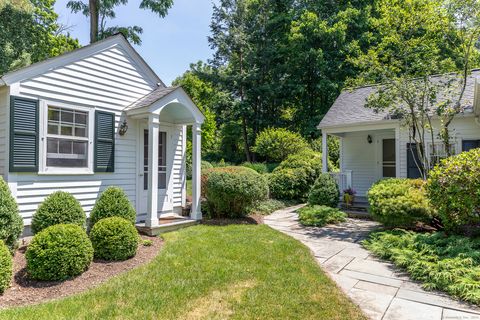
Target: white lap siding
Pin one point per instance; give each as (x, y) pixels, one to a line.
(110, 81)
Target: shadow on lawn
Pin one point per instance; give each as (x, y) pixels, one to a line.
(252, 219)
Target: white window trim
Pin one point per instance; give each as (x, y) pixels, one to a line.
(457, 143)
(43, 119)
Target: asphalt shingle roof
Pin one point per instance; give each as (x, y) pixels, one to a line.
(349, 108)
(152, 97)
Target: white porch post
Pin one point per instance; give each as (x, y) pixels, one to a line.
(153, 131)
(324, 152)
(196, 212)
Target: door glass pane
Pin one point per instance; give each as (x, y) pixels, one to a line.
(162, 160)
(388, 158)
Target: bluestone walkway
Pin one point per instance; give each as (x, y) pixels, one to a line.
(381, 290)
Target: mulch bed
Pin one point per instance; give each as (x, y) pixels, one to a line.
(251, 219)
(25, 291)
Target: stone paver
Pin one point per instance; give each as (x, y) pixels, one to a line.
(382, 291)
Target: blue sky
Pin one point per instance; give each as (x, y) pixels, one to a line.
(169, 45)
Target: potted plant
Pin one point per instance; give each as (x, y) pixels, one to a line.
(349, 196)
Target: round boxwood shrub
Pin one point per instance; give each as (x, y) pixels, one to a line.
(59, 252)
(114, 238)
(11, 223)
(59, 207)
(6, 267)
(294, 177)
(113, 202)
(231, 191)
(324, 192)
(399, 202)
(276, 144)
(454, 190)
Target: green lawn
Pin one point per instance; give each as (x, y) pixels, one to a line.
(208, 272)
(189, 187)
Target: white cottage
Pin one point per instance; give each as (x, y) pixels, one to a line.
(375, 146)
(95, 117)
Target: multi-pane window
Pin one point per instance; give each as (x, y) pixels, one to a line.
(67, 138)
(440, 151)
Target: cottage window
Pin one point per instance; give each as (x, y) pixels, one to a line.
(67, 138)
(440, 152)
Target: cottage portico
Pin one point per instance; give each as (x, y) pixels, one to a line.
(158, 111)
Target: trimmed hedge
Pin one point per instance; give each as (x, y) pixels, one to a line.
(324, 192)
(294, 177)
(257, 166)
(454, 190)
(6, 267)
(113, 202)
(276, 144)
(399, 202)
(59, 207)
(11, 223)
(231, 191)
(114, 238)
(319, 216)
(58, 253)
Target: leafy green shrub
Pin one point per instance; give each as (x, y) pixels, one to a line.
(276, 144)
(114, 238)
(324, 191)
(319, 216)
(257, 166)
(294, 177)
(147, 243)
(11, 223)
(6, 267)
(268, 206)
(228, 169)
(454, 189)
(113, 202)
(333, 148)
(399, 202)
(231, 191)
(59, 252)
(59, 207)
(441, 262)
(204, 165)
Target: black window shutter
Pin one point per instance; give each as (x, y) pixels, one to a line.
(470, 144)
(23, 134)
(413, 172)
(104, 141)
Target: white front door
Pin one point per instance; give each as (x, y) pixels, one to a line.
(164, 203)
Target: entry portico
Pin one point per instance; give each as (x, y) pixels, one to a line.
(160, 114)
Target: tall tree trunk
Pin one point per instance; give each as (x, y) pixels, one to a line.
(245, 139)
(93, 7)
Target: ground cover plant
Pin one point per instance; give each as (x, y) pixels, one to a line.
(319, 216)
(236, 272)
(441, 262)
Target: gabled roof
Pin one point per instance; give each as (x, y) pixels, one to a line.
(349, 108)
(151, 97)
(78, 54)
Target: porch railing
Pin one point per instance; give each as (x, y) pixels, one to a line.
(343, 179)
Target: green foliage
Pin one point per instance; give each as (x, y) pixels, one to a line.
(257, 166)
(232, 191)
(11, 223)
(114, 238)
(39, 37)
(454, 189)
(113, 202)
(6, 267)
(324, 192)
(58, 253)
(268, 206)
(204, 165)
(106, 10)
(440, 262)
(333, 149)
(399, 202)
(294, 177)
(147, 243)
(319, 216)
(58, 208)
(276, 144)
